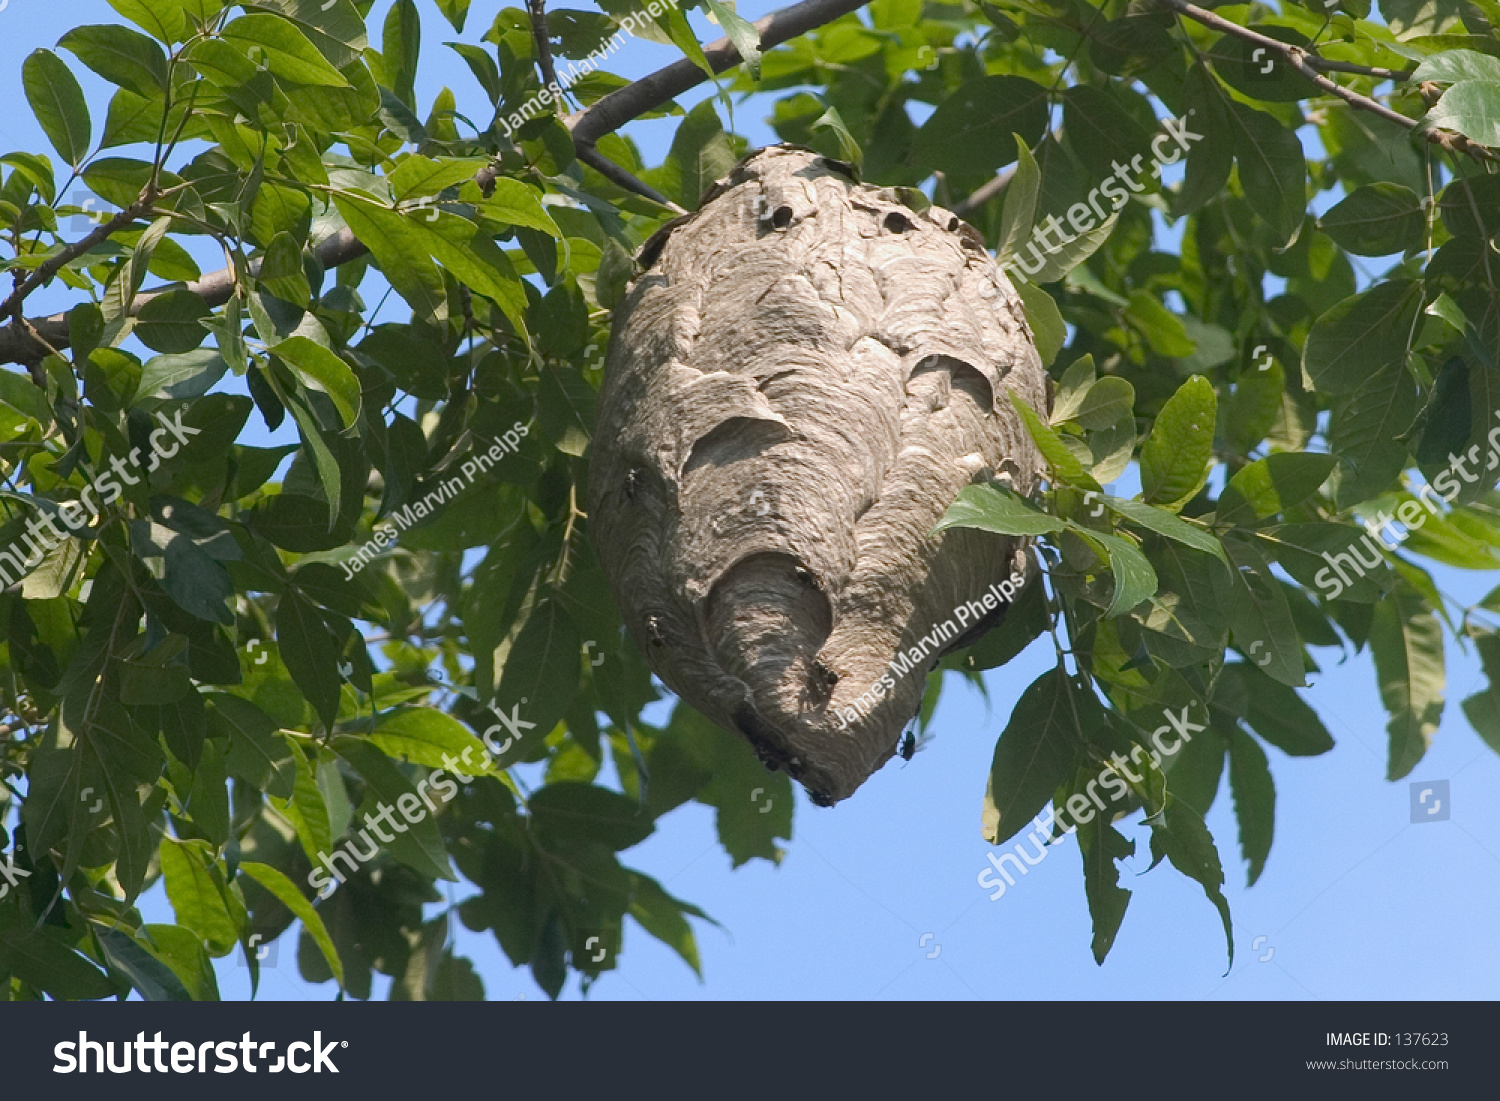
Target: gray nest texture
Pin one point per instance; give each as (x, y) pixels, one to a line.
(800, 380)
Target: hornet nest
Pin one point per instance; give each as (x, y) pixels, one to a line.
(799, 382)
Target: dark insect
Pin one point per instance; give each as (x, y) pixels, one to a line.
(808, 578)
(912, 744)
(829, 677)
(653, 629)
(632, 481)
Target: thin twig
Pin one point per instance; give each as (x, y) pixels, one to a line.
(984, 194)
(589, 155)
(1309, 66)
(1219, 23)
(543, 36)
(618, 175)
(11, 307)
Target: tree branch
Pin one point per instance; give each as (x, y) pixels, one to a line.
(613, 111)
(50, 334)
(1313, 61)
(614, 173)
(28, 341)
(1309, 64)
(11, 307)
(543, 37)
(983, 194)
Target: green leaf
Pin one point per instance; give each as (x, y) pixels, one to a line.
(199, 897)
(335, 27)
(661, 915)
(419, 175)
(431, 738)
(1483, 708)
(1101, 133)
(311, 653)
(1272, 485)
(455, 11)
(470, 254)
(1178, 833)
(1260, 617)
(1036, 752)
(58, 103)
(1046, 321)
(324, 371)
(283, 49)
(1135, 580)
(1211, 158)
(1363, 336)
(399, 250)
(1273, 170)
(286, 891)
(1176, 455)
(420, 844)
(1065, 465)
(1376, 220)
(190, 575)
(153, 979)
(121, 56)
(740, 32)
(1472, 107)
(1276, 712)
(514, 203)
(1254, 801)
(1452, 66)
(700, 155)
(1168, 524)
(542, 668)
(171, 322)
(1101, 845)
(994, 508)
(970, 132)
(1366, 433)
(572, 813)
(35, 955)
(1407, 642)
(681, 33)
(1019, 212)
(1108, 401)
(164, 20)
(182, 951)
(307, 809)
(182, 375)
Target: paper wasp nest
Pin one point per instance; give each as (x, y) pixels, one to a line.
(800, 380)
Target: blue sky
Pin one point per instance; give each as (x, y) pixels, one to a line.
(877, 898)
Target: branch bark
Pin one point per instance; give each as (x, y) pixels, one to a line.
(616, 109)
